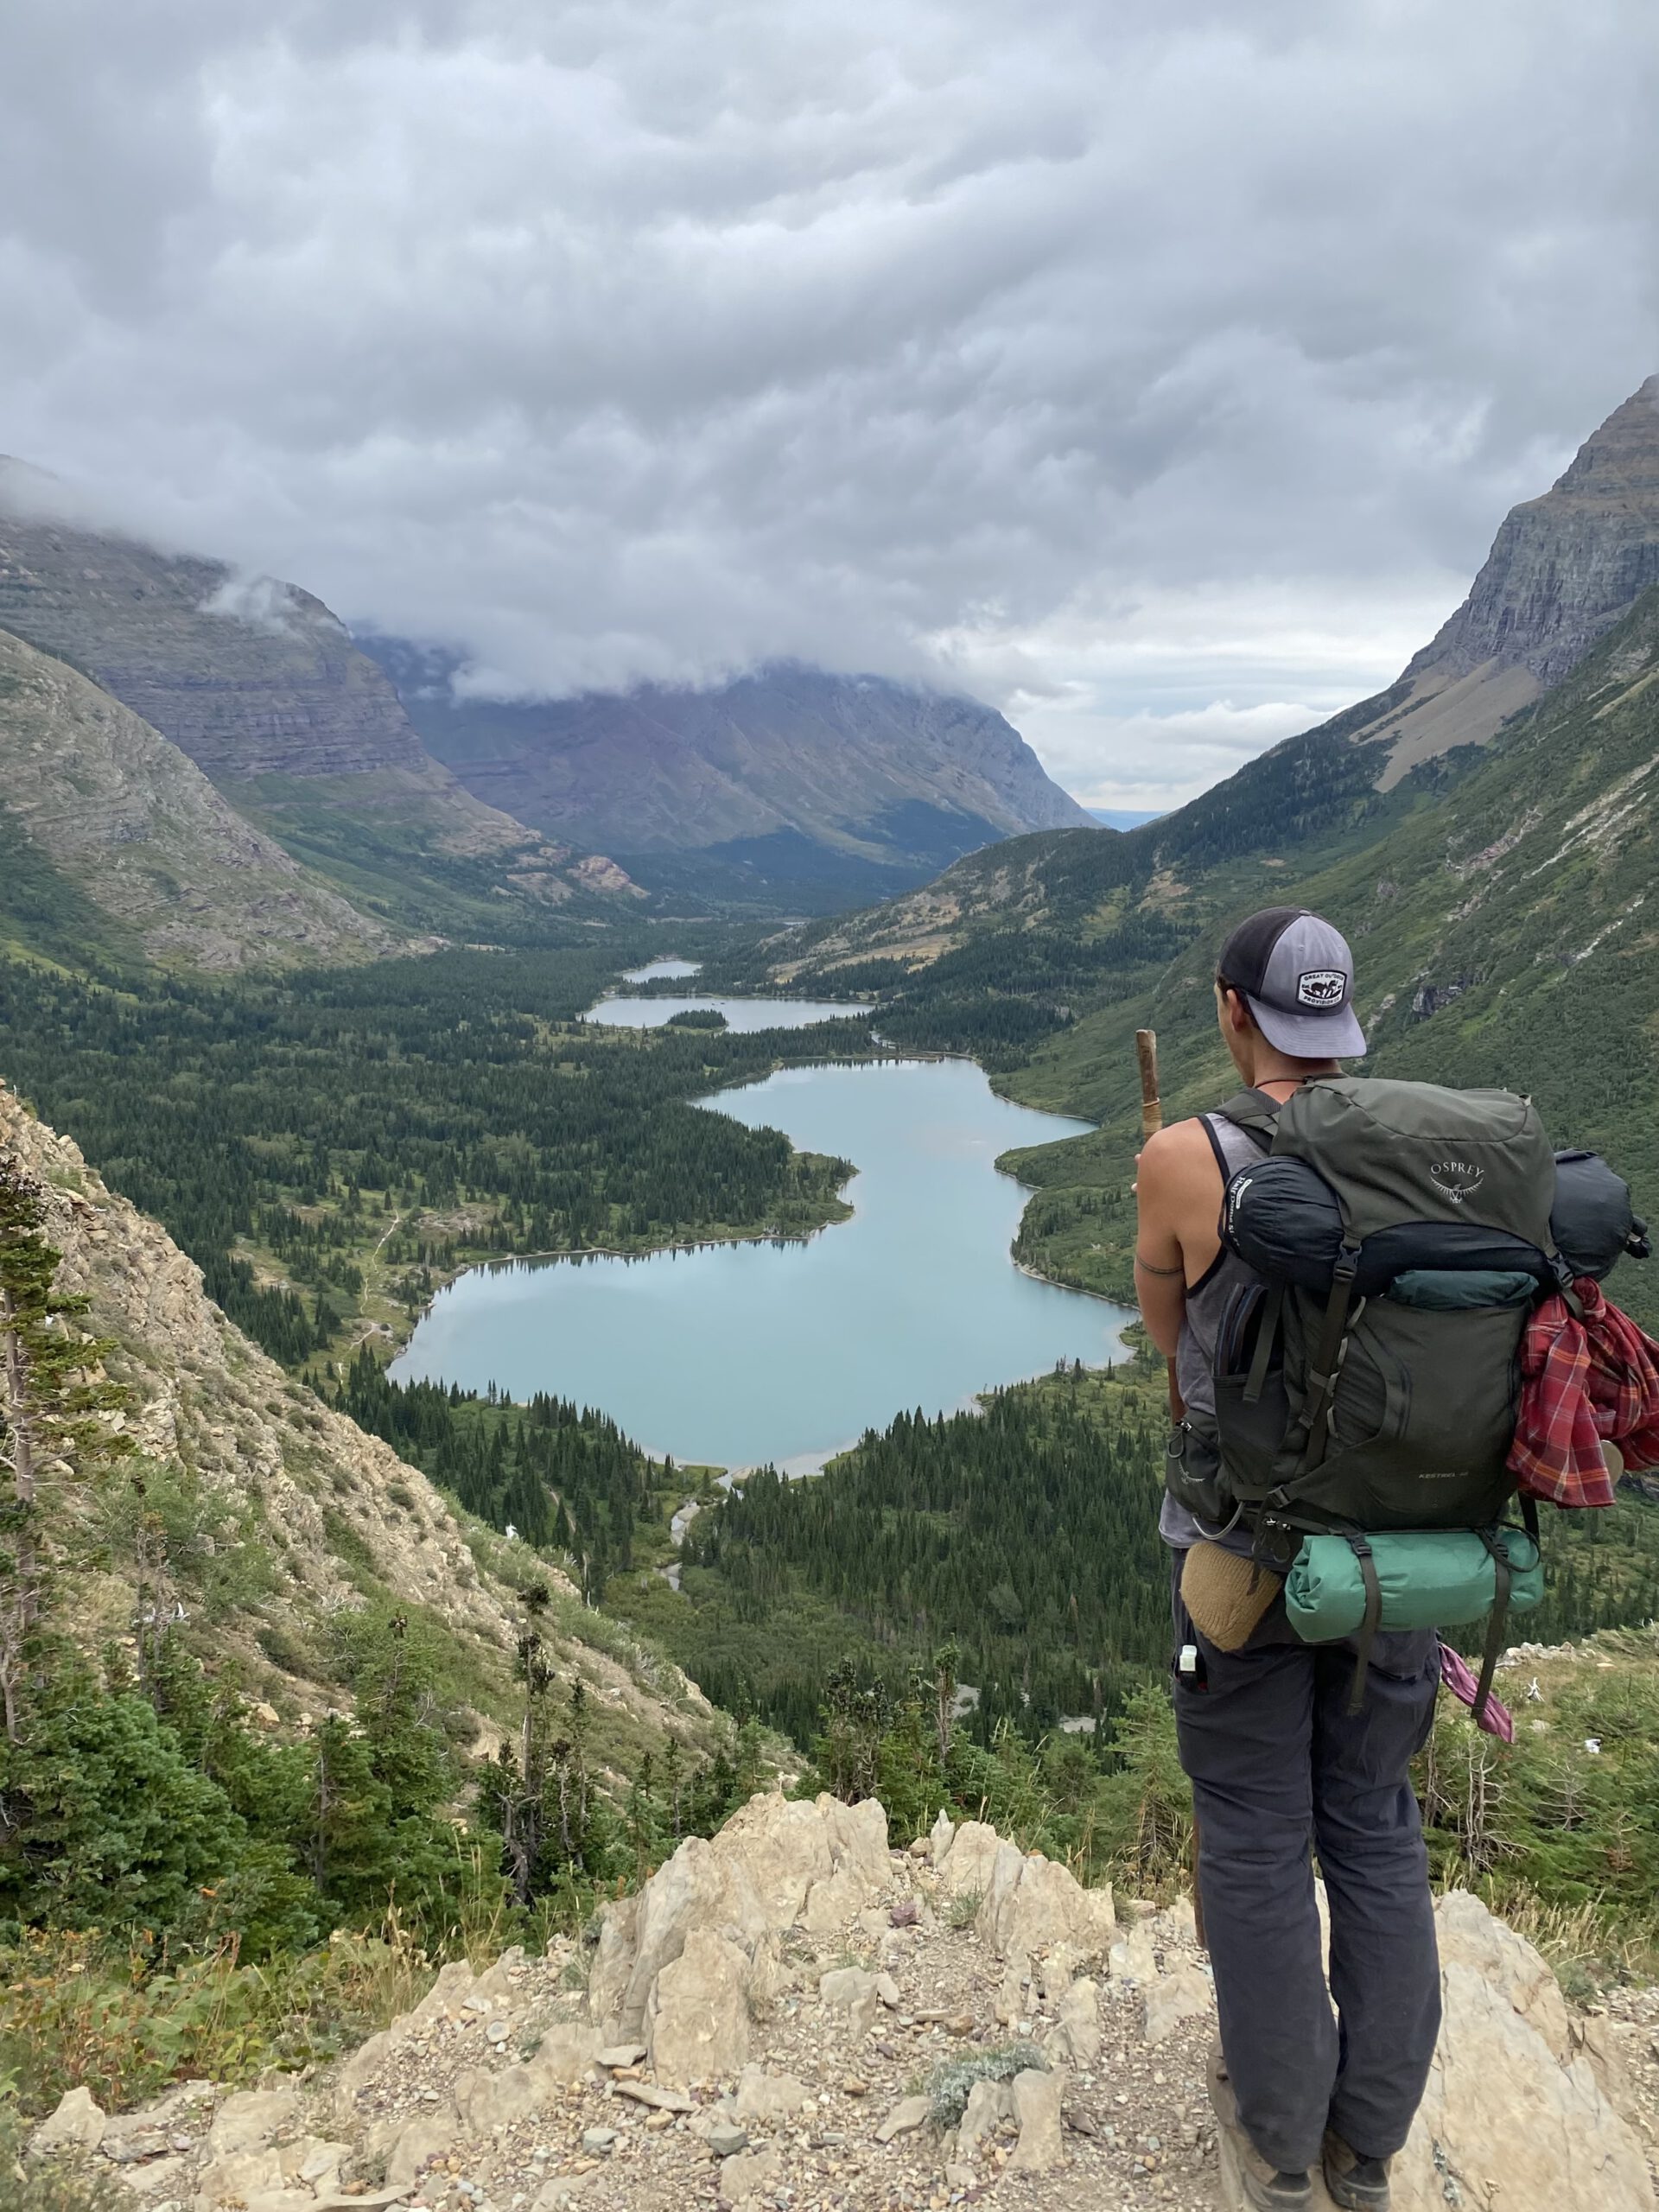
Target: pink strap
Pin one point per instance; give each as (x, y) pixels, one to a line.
(1496, 1721)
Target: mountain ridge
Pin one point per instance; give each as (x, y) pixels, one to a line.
(1562, 569)
(119, 817)
(886, 775)
(259, 684)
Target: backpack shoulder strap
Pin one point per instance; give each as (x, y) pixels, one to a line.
(1255, 1112)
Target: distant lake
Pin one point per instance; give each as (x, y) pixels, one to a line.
(732, 1355)
(740, 1013)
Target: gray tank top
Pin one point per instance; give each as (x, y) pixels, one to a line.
(1195, 1353)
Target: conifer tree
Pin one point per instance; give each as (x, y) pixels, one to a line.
(52, 1400)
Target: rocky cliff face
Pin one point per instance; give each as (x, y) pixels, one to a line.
(312, 1515)
(1563, 568)
(250, 680)
(257, 683)
(879, 770)
(123, 818)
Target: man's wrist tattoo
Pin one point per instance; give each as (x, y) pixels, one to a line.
(1147, 1268)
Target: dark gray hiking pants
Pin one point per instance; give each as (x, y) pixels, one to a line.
(1279, 1770)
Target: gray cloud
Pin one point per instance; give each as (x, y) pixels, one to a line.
(1160, 373)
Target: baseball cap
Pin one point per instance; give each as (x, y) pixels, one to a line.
(1297, 976)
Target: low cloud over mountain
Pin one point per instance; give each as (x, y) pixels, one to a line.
(1120, 366)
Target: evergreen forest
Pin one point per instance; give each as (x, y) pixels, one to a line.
(562, 1478)
(329, 1146)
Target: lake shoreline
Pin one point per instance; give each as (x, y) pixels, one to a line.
(395, 1341)
(787, 1356)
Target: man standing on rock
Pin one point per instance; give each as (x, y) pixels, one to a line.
(1280, 1761)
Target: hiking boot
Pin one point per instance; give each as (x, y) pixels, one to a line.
(1356, 2183)
(1271, 2191)
(1266, 2188)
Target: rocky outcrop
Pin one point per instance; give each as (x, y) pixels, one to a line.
(1565, 567)
(1563, 570)
(133, 825)
(774, 1865)
(502, 2090)
(1031, 1904)
(1515, 2113)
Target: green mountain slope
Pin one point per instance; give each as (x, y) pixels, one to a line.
(1499, 901)
(114, 846)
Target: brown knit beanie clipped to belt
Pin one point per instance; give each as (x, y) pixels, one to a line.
(1225, 1596)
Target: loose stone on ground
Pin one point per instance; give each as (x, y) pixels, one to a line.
(737, 2047)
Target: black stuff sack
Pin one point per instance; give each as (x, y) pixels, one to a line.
(1591, 1220)
(1284, 1221)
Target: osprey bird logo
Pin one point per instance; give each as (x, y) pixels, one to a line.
(1456, 1179)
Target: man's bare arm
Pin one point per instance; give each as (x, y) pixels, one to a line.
(1160, 1264)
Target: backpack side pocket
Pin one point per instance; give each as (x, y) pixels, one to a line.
(1252, 1403)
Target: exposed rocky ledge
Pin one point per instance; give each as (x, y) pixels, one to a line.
(797, 2015)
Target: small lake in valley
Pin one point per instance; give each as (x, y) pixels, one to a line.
(732, 1355)
(624, 1013)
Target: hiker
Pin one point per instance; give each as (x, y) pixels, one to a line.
(1280, 1761)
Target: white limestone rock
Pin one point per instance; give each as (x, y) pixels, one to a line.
(697, 2015)
(1513, 2115)
(1171, 1999)
(77, 2124)
(1037, 2100)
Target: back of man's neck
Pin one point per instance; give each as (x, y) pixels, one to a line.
(1279, 1072)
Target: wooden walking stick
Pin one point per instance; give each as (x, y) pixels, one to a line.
(1151, 1106)
(1152, 1120)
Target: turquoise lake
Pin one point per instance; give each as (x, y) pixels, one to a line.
(734, 1355)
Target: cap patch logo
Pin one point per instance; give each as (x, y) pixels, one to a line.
(1321, 987)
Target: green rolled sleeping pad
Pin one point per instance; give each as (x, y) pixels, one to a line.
(1432, 1579)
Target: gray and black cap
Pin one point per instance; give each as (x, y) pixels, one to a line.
(1297, 976)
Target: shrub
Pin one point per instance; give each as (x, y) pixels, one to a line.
(75, 2009)
(119, 1829)
(952, 2083)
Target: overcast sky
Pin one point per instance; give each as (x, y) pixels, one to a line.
(1159, 371)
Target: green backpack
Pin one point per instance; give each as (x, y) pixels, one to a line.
(1366, 1377)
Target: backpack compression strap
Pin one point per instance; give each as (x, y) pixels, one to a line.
(1361, 1548)
(1496, 1625)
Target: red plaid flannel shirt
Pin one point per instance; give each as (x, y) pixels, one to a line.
(1584, 1381)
